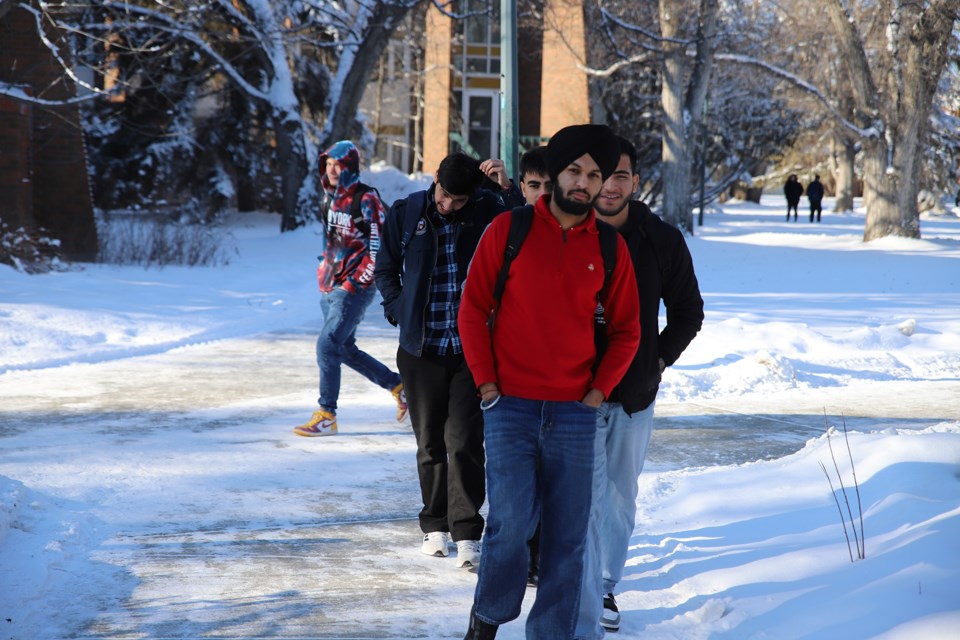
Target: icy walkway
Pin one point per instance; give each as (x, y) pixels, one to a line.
(170, 491)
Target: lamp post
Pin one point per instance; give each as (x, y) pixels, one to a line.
(509, 148)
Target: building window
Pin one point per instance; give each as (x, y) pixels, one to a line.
(478, 45)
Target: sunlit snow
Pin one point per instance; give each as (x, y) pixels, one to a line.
(150, 485)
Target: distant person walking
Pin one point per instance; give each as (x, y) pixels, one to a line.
(428, 241)
(792, 189)
(352, 215)
(815, 196)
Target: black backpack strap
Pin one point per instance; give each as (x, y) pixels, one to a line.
(355, 207)
(608, 249)
(413, 211)
(520, 220)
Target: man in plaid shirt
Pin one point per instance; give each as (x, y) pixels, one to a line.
(427, 242)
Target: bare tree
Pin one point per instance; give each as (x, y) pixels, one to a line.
(249, 51)
(869, 81)
(746, 123)
(683, 95)
(893, 88)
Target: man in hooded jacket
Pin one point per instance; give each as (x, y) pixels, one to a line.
(351, 240)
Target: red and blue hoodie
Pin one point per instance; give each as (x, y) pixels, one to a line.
(348, 256)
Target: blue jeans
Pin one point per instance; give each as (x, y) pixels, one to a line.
(539, 464)
(620, 449)
(342, 314)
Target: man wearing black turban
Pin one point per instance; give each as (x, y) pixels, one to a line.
(534, 370)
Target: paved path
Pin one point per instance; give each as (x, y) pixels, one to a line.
(239, 529)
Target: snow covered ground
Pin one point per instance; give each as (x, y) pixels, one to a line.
(150, 486)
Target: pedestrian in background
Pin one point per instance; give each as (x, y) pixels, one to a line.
(352, 215)
(428, 241)
(792, 189)
(815, 196)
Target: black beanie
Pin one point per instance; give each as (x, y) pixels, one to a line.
(571, 142)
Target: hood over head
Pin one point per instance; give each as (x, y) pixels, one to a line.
(346, 153)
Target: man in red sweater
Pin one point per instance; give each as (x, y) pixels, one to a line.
(535, 373)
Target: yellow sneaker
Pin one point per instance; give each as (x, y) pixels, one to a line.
(322, 423)
(401, 399)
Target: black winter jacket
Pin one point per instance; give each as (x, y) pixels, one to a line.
(665, 272)
(793, 191)
(815, 191)
(403, 274)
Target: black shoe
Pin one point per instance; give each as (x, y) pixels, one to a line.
(610, 618)
(480, 630)
(532, 578)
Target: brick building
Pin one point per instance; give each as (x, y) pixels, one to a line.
(44, 181)
(459, 76)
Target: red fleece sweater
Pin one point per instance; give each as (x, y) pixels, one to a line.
(542, 346)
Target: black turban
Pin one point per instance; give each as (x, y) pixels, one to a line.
(568, 144)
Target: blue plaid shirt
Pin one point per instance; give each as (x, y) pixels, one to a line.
(442, 336)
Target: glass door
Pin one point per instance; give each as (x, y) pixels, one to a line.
(481, 119)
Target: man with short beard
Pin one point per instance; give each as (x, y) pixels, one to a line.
(534, 369)
(664, 271)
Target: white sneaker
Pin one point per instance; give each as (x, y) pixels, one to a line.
(435, 544)
(468, 553)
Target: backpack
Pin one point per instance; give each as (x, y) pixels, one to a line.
(520, 220)
(416, 205)
(355, 213)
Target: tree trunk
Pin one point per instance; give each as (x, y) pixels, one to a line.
(372, 31)
(675, 156)
(696, 102)
(355, 66)
(46, 181)
(683, 105)
(279, 92)
(292, 158)
(844, 155)
(922, 60)
(909, 67)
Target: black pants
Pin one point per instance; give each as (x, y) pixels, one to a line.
(792, 206)
(447, 421)
(815, 209)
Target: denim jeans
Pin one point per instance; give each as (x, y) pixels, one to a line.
(539, 465)
(342, 313)
(621, 447)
